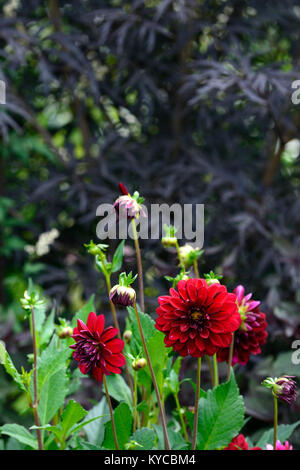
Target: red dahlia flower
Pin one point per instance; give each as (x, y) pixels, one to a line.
(251, 334)
(239, 443)
(197, 319)
(96, 349)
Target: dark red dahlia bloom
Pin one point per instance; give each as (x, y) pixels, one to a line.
(239, 443)
(251, 334)
(197, 319)
(96, 349)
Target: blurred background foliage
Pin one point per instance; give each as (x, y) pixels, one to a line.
(185, 101)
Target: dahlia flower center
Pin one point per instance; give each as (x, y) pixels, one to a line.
(243, 308)
(196, 315)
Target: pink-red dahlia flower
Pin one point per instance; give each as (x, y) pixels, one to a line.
(197, 319)
(239, 443)
(251, 334)
(279, 446)
(96, 349)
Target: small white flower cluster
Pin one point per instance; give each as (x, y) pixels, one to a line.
(42, 247)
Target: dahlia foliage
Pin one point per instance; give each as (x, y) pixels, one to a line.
(166, 380)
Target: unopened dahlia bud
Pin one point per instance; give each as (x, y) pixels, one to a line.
(127, 335)
(212, 278)
(65, 332)
(189, 254)
(122, 294)
(139, 364)
(284, 388)
(131, 205)
(94, 249)
(169, 239)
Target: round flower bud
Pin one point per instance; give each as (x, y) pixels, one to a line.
(139, 364)
(212, 281)
(122, 295)
(285, 389)
(127, 335)
(169, 241)
(65, 332)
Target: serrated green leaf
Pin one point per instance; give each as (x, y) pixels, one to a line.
(52, 395)
(148, 325)
(19, 433)
(118, 389)
(221, 416)
(73, 413)
(48, 329)
(8, 365)
(145, 437)
(284, 431)
(118, 258)
(123, 421)
(51, 361)
(95, 430)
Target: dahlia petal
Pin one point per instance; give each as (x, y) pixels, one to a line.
(192, 291)
(181, 286)
(100, 324)
(98, 374)
(84, 368)
(91, 321)
(239, 292)
(108, 333)
(117, 360)
(80, 325)
(115, 345)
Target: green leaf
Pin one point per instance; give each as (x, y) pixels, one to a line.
(123, 421)
(73, 413)
(95, 430)
(47, 330)
(145, 437)
(52, 395)
(148, 325)
(20, 434)
(83, 313)
(51, 361)
(221, 416)
(284, 431)
(118, 258)
(176, 440)
(118, 388)
(6, 361)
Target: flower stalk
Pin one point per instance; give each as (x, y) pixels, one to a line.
(139, 266)
(275, 422)
(111, 413)
(216, 372)
(161, 409)
(195, 431)
(230, 358)
(35, 387)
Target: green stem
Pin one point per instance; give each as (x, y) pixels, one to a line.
(135, 416)
(139, 266)
(111, 413)
(35, 387)
(195, 264)
(216, 373)
(116, 324)
(195, 431)
(275, 422)
(161, 409)
(181, 417)
(181, 263)
(230, 357)
(211, 371)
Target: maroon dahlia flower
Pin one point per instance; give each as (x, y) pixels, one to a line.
(251, 334)
(197, 319)
(96, 349)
